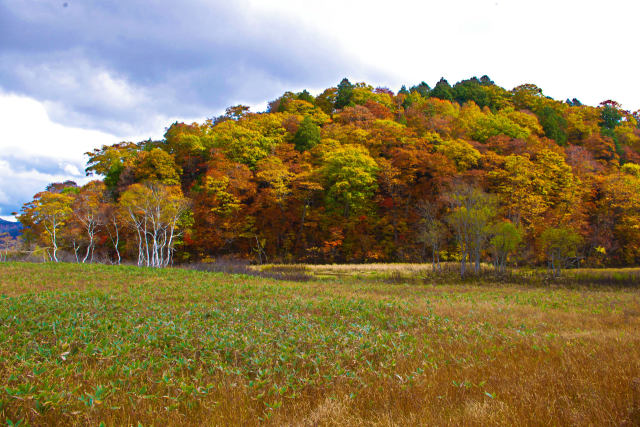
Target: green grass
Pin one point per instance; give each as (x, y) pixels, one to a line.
(121, 345)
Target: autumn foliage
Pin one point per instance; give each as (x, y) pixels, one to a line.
(471, 172)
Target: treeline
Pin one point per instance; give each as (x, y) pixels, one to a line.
(471, 172)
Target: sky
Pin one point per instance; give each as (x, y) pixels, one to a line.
(79, 74)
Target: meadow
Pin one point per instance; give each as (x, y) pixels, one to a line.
(120, 345)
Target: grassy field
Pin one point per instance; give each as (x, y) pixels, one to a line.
(84, 345)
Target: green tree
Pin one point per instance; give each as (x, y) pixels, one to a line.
(423, 89)
(471, 90)
(306, 96)
(610, 115)
(307, 136)
(442, 90)
(554, 125)
(344, 95)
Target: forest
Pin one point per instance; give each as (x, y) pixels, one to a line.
(471, 173)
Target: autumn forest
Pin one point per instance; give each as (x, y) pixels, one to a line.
(472, 173)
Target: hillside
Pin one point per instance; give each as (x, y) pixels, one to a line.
(466, 172)
(13, 228)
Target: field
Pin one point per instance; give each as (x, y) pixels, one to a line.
(84, 345)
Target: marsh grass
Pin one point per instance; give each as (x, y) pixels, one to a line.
(85, 344)
(293, 272)
(449, 273)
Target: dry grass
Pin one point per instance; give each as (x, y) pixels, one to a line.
(88, 344)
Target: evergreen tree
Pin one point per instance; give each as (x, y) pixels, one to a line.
(442, 90)
(345, 93)
(306, 96)
(423, 89)
(307, 136)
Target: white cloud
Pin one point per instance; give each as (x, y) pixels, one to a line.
(28, 130)
(34, 151)
(570, 48)
(3, 197)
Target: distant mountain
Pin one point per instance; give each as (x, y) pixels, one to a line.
(13, 228)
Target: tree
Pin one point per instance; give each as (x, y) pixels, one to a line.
(423, 89)
(350, 174)
(87, 210)
(471, 90)
(306, 186)
(233, 113)
(433, 232)
(560, 244)
(527, 96)
(326, 100)
(48, 212)
(533, 191)
(250, 139)
(619, 212)
(221, 206)
(7, 243)
(505, 239)
(442, 90)
(109, 161)
(471, 213)
(610, 114)
(190, 146)
(304, 181)
(306, 96)
(344, 95)
(154, 165)
(460, 152)
(553, 123)
(112, 218)
(154, 211)
(307, 136)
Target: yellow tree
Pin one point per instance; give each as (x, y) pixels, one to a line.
(48, 212)
(560, 244)
(531, 190)
(87, 210)
(109, 161)
(154, 211)
(460, 152)
(350, 174)
(250, 139)
(620, 207)
(154, 165)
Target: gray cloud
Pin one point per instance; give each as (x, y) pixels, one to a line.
(123, 67)
(21, 177)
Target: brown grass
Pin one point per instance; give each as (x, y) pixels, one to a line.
(481, 354)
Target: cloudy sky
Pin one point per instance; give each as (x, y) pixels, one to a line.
(77, 74)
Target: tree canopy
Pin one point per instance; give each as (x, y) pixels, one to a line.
(359, 173)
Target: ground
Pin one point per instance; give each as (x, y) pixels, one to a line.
(86, 344)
